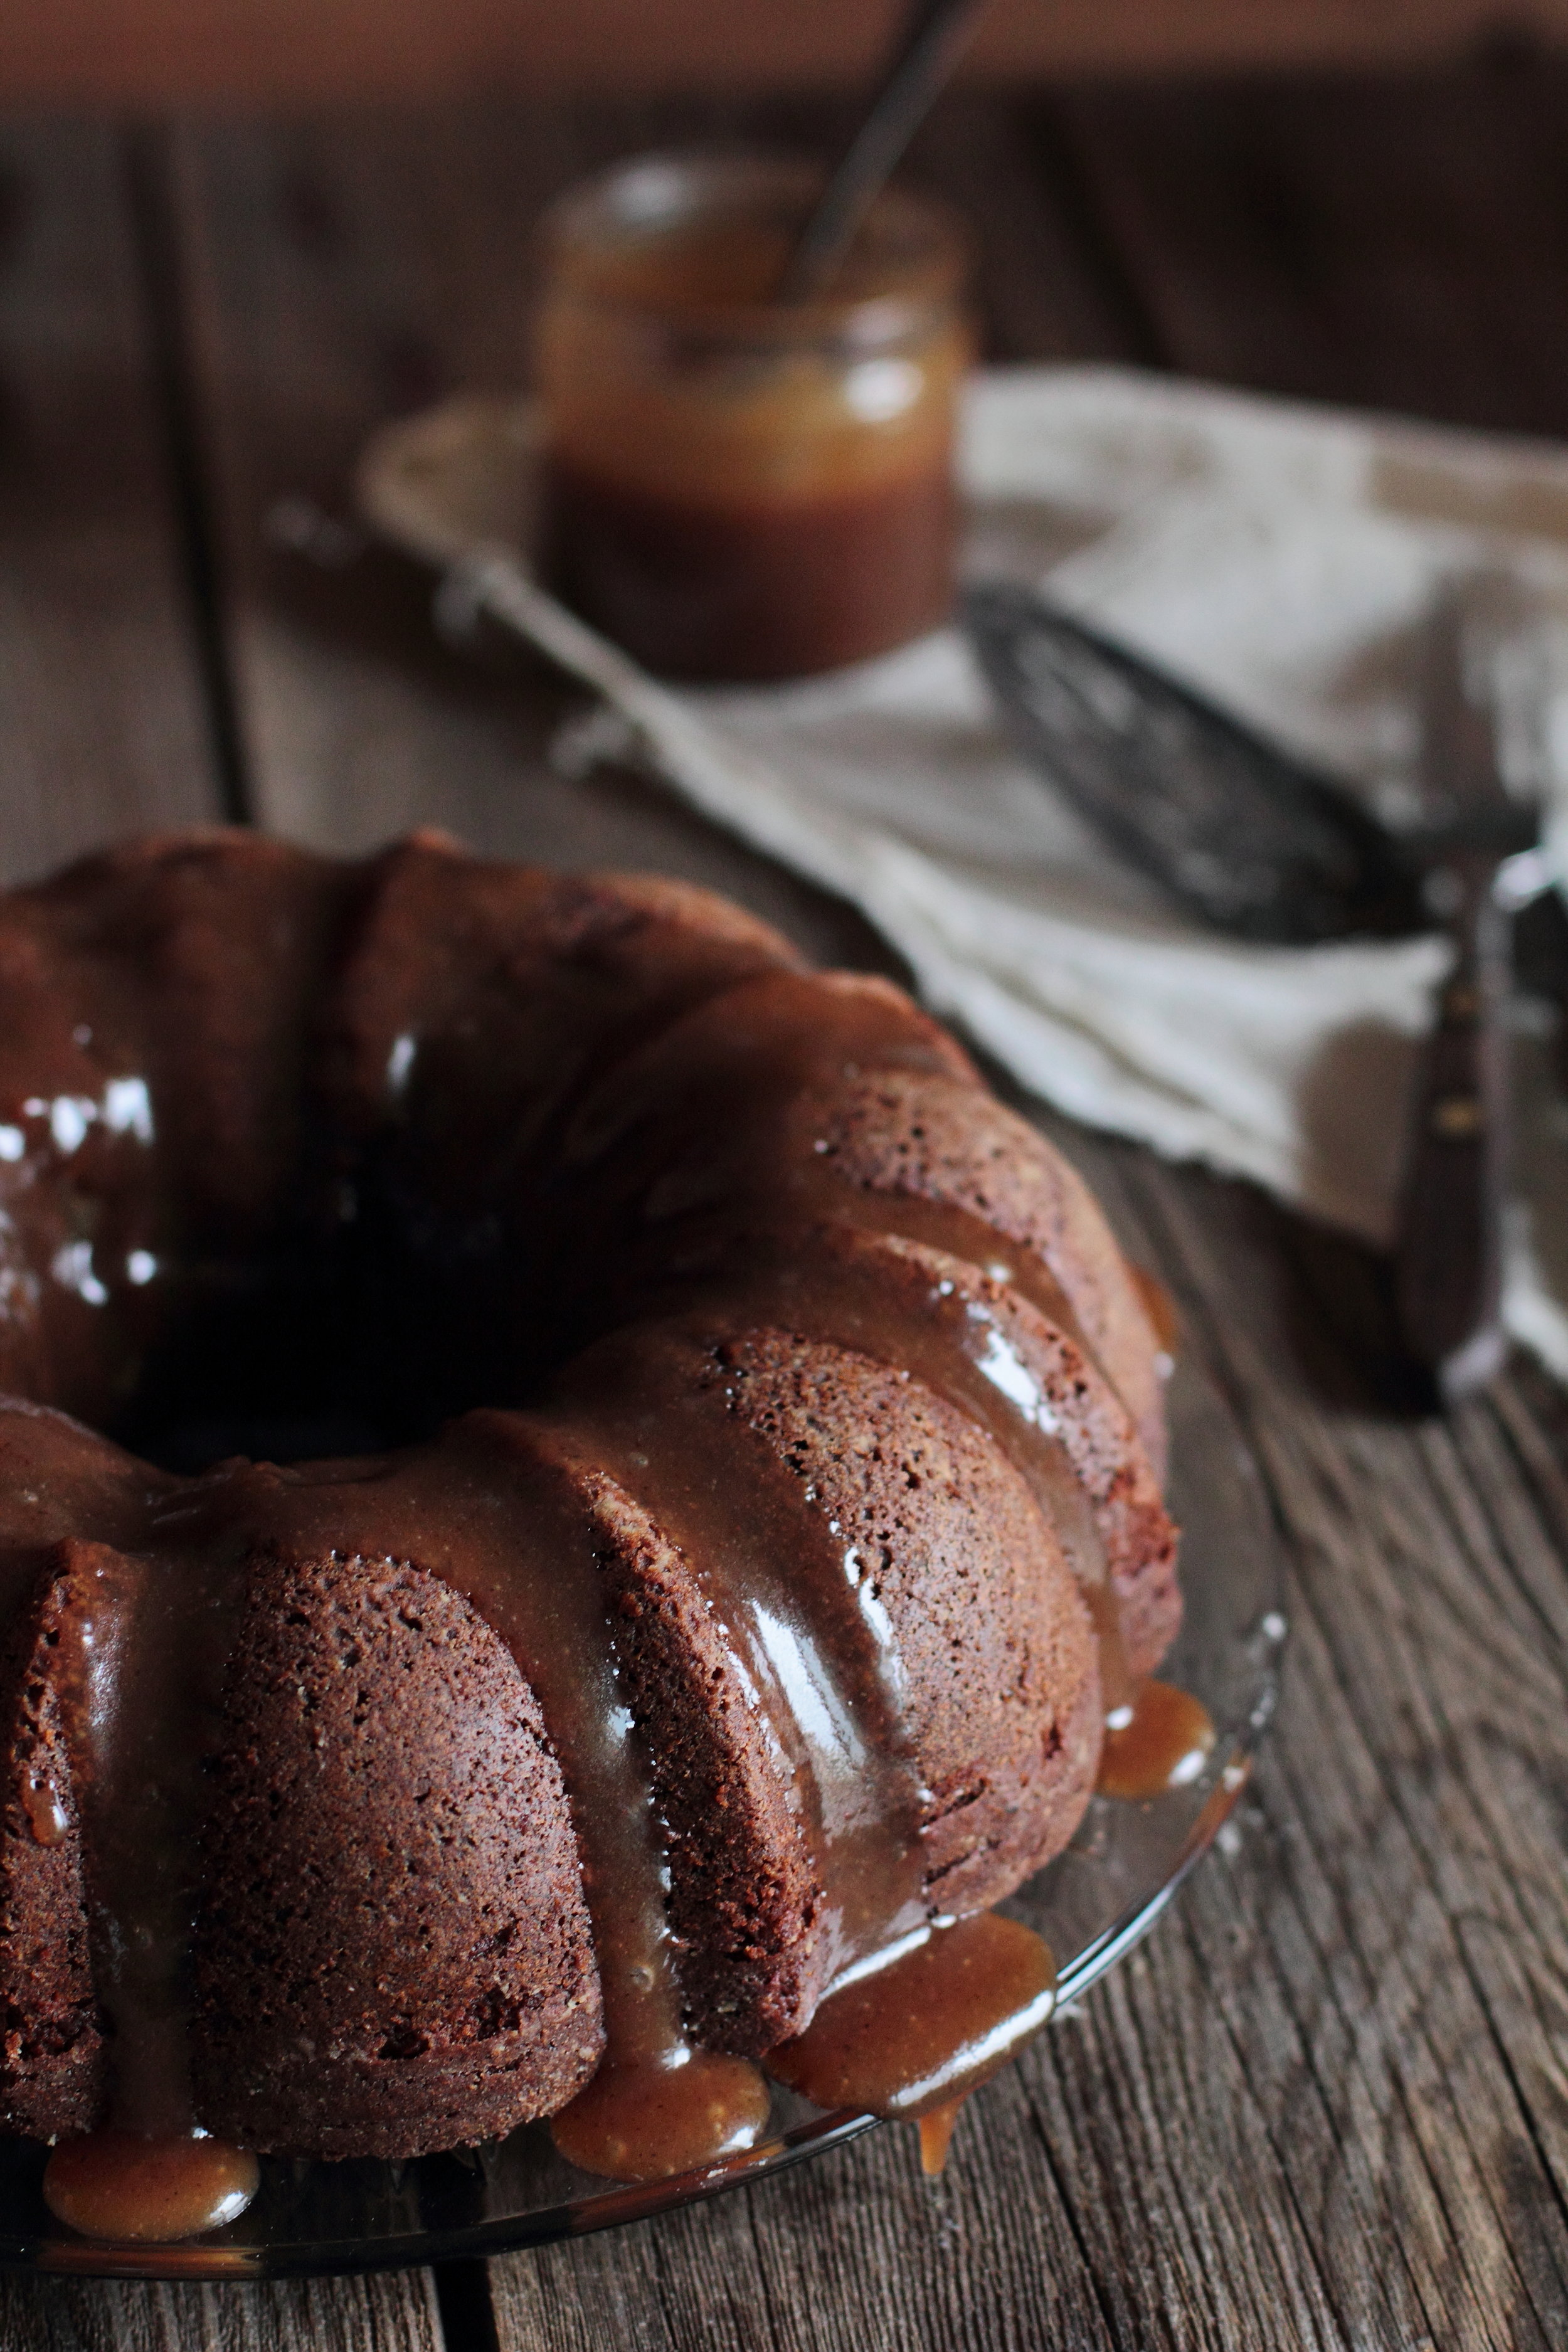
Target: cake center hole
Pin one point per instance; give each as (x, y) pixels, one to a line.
(316, 1352)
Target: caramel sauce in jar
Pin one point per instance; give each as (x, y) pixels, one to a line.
(735, 487)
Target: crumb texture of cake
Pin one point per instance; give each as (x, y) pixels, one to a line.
(393, 1931)
(566, 1483)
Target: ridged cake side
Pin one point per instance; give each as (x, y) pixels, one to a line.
(392, 1946)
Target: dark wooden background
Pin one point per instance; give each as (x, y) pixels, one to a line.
(276, 52)
(1326, 2103)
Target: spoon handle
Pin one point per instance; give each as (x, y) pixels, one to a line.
(921, 59)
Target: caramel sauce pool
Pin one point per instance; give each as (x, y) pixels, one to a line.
(645, 2122)
(116, 2185)
(924, 2031)
(1166, 1744)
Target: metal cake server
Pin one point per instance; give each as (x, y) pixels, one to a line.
(1269, 849)
(1246, 837)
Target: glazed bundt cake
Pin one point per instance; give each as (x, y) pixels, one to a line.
(748, 1499)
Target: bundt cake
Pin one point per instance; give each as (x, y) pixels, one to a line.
(746, 1504)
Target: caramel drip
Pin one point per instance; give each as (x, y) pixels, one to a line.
(527, 1567)
(958, 1346)
(131, 1708)
(822, 1662)
(493, 1513)
(935, 2127)
(1160, 1306)
(958, 1233)
(47, 1815)
(1118, 1686)
(920, 2033)
(646, 2121)
(144, 1639)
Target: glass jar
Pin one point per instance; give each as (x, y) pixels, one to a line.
(737, 486)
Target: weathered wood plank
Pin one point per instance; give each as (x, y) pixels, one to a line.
(854, 2249)
(157, 53)
(384, 2313)
(1398, 243)
(1410, 1925)
(103, 724)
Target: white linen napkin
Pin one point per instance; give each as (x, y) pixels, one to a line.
(1282, 559)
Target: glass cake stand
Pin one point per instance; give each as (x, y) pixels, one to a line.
(1091, 1905)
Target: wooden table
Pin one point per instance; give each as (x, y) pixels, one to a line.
(1326, 2105)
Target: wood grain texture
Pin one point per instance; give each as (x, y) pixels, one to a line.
(1326, 2106)
(395, 2313)
(1387, 1950)
(1395, 243)
(104, 729)
(155, 53)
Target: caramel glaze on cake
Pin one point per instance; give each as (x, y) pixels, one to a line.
(773, 1511)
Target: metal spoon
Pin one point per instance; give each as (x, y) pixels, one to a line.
(925, 48)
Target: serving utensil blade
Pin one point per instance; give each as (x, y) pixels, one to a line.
(1247, 837)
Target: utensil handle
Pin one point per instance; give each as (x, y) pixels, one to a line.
(1448, 1255)
(924, 45)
